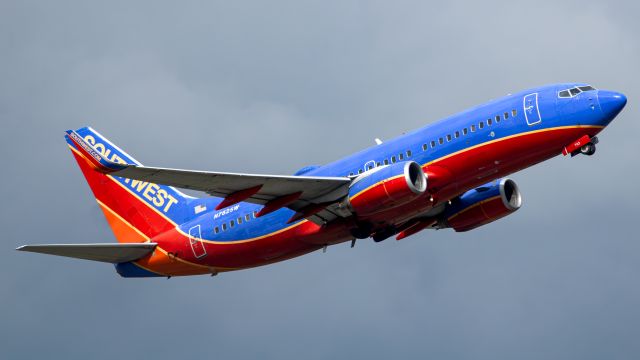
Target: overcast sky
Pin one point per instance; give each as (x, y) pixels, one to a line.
(272, 86)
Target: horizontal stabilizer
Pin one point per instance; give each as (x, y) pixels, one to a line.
(111, 253)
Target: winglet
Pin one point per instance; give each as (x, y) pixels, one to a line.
(93, 157)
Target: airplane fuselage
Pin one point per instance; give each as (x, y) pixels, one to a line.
(459, 153)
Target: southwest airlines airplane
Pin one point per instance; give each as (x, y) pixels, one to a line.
(449, 174)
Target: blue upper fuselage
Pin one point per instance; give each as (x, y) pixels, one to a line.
(550, 106)
(499, 118)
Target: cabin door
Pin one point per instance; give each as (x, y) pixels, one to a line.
(531, 110)
(195, 240)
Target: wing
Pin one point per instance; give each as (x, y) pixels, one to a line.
(111, 253)
(310, 196)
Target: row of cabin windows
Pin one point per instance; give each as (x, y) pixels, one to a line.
(441, 140)
(392, 160)
(472, 128)
(232, 223)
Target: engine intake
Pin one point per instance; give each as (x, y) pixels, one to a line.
(386, 187)
(482, 205)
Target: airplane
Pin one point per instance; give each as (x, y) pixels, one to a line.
(448, 174)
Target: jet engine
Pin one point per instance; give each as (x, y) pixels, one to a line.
(386, 187)
(482, 205)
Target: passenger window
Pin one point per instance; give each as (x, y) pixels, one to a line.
(255, 214)
(481, 125)
(448, 137)
(506, 116)
(216, 230)
(386, 161)
(247, 217)
(457, 134)
(370, 167)
(224, 227)
(240, 220)
(360, 171)
(489, 122)
(408, 153)
(497, 118)
(433, 144)
(350, 174)
(514, 112)
(378, 164)
(465, 131)
(441, 141)
(232, 223)
(393, 159)
(400, 157)
(473, 128)
(424, 147)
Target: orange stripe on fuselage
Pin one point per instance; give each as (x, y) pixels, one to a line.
(123, 230)
(159, 261)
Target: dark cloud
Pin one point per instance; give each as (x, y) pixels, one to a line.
(271, 87)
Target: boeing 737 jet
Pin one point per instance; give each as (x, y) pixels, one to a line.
(448, 174)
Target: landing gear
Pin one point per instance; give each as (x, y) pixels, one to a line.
(585, 145)
(588, 149)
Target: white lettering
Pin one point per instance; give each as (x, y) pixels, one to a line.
(226, 211)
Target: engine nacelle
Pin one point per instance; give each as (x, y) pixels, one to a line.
(481, 206)
(386, 187)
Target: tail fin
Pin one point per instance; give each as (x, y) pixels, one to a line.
(136, 210)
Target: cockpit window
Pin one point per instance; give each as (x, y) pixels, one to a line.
(574, 91)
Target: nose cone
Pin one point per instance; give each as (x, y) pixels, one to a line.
(611, 103)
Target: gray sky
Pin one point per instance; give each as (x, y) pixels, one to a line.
(274, 86)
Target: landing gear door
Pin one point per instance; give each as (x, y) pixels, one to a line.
(531, 110)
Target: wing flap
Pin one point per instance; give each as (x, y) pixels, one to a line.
(110, 253)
